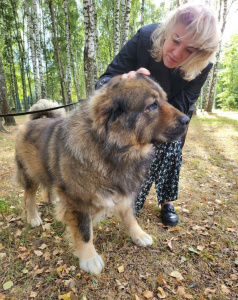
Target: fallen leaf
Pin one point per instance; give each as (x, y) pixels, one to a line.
(39, 271)
(177, 275)
(148, 294)
(119, 285)
(2, 297)
(225, 289)
(136, 297)
(47, 255)
(33, 294)
(7, 285)
(38, 252)
(210, 291)
(161, 294)
(43, 246)
(2, 255)
(191, 249)
(65, 296)
(233, 276)
(200, 248)
(231, 229)
(121, 269)
(24, 271)
(181, 291)
(160, 280)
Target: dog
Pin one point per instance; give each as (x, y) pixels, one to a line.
(95, 159)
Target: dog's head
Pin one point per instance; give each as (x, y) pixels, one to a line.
(136, 112)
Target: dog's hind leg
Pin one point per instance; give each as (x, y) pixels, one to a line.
(29, 200)
(49, 196)
(79, 225)
(138, 236)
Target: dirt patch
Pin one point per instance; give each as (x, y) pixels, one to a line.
(196, 260)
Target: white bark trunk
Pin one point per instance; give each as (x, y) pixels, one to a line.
(67, 29)
(116, 27)
(38, 49)
(33, 54)
(89, 51)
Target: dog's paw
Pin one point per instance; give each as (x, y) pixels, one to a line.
(92, 265)
(34, 222)
(143, 240)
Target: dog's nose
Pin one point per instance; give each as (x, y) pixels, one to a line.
(184, 120)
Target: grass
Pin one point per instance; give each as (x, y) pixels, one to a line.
(203, 248)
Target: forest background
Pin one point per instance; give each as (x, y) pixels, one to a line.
(57, 49)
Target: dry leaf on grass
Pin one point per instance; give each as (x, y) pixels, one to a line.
(160, 280)
(177, 275)
(148, 294)
(121, 269)
(161, 293)
(225, 289)
(210, 291)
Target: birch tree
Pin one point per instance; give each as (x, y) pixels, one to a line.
(21, 51)
(89, 49)
(142, 12)
(116, 27)
(33, 53)
(125, 15)
(212, 79)
(99, 64)
(68, 70)
(38, 49)
(57, 51)
(4, 105)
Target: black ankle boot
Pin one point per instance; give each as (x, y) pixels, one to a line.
(169, 215)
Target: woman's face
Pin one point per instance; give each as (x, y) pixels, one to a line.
(175, 49)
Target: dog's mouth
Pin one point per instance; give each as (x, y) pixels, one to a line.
(173, 134)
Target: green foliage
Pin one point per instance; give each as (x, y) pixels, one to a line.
(227, 87)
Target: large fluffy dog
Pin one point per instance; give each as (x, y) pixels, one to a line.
(95, 159)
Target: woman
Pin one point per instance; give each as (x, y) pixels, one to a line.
(178, 54)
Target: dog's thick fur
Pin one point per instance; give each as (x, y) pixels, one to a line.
(96, 158)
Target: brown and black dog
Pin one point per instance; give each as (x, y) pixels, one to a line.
(95, 159)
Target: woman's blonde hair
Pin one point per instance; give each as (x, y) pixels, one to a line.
(201, 24)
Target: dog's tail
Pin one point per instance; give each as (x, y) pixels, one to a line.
(45, 104)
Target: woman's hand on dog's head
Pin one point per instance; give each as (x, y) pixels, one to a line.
(132, 74)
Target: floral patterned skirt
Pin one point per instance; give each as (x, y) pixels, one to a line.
(164, 172)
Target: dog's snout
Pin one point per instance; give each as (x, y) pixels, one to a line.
(184, 120)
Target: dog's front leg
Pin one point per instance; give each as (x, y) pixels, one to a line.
(82, 232)
(138, 236)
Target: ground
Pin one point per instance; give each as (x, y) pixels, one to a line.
(196, 260)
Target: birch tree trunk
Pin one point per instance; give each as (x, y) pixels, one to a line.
(12, 72)
(21, 52)
(212, 86)
(142, 12)
(4, 98)
(76, 81)
(33, 53)
(38, 49)
(57, 51)
(98, 68)
(89, 49)
(68, 71)
(125, 13)
(116, 28)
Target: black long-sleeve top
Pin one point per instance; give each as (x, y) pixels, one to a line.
(181, 93)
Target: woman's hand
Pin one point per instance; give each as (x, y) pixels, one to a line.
(132, 74)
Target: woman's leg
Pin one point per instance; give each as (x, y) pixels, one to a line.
(146, 186)
(167, 181)
(167, 177)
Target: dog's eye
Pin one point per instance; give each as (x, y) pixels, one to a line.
(152, 106)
